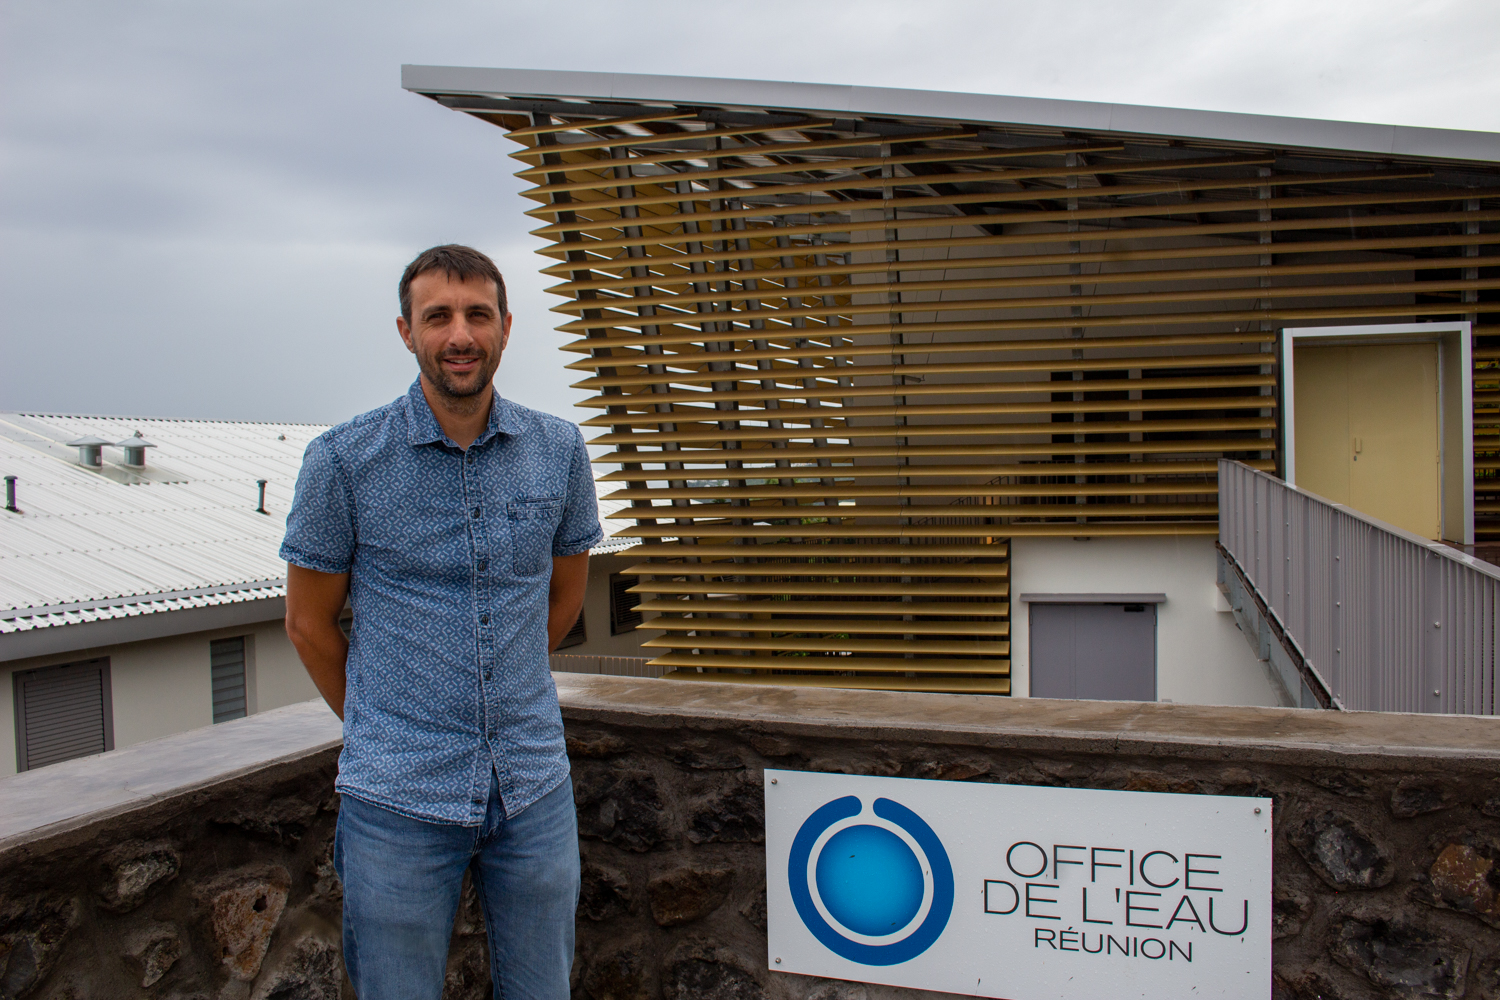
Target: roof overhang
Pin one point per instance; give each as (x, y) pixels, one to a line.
(931, 105)
(47, 631)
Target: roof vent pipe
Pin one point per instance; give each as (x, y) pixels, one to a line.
(10, 495)
(135, 450)
(90, 450)
(261, 509)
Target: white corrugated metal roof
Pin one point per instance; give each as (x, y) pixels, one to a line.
(181, 533)
(87, 542)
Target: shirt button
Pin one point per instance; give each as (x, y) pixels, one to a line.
(484, 619)
(484, 564)
(474, 512)
(471, 459)
(486, 675)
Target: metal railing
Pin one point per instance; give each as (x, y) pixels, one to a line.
(1386, 620)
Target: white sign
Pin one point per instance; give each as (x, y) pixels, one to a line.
(1018, 891)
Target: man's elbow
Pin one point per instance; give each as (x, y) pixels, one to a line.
(304, 630)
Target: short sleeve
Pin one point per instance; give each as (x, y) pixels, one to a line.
(579, 530)
(320, 528)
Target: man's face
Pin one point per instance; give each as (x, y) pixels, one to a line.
(456, 332)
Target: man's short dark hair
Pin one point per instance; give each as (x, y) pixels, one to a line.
(457, 262)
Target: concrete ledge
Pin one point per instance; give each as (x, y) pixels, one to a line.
(61, 798)
(1246, 735)
(40, 804)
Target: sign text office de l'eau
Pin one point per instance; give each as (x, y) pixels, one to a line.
(1017, 891)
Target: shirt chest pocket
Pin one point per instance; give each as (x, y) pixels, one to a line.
(533, 522)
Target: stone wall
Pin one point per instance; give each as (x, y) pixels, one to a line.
(1386, 846)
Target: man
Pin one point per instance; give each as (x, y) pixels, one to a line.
(458, 524)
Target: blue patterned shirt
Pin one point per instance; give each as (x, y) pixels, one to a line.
(450, 555)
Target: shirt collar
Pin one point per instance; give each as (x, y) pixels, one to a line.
(423, 428)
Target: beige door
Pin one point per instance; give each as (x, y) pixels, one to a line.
(1366, 430)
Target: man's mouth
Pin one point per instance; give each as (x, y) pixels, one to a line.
(461, 364)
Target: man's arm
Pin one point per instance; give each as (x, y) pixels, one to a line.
(570, 578)
(314, 602)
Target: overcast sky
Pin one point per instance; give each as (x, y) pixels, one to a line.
(204, 207)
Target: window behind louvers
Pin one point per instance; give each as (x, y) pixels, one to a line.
(623, 615)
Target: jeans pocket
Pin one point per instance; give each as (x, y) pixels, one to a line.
(533, 522)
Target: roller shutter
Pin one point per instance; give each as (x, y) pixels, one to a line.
(62, 712)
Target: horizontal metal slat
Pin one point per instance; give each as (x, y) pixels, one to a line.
(922, 648)
(985, 609)
(852, 625)
(936, 685)
(928, 665)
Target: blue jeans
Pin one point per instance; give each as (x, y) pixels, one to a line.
(402, 878)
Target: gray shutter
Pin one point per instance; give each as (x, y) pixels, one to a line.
(62, 712)
(227, 661)
(623, 617)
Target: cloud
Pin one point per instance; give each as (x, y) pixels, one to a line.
(204, 207)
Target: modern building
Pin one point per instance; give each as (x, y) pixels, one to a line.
(928, 391)
(141, 593)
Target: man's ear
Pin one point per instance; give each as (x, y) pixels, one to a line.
(404, 328)
(505, 330)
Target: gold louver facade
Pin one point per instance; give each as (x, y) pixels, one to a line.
(840, 363)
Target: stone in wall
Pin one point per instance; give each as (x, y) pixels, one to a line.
(1414, 797)
(698, 969)
(685, 894)
(1340, 782)
(703, 755)
(735, 813)
(152, 950)
(620, 973)
(604, 893)
(132, 869)
(284, 820)
(244, 908)
(1289, 912)
(1465, 879)
(619, 805)
(310, 969)
(468, 973)
(1405, 961)
(1342, 852)
(32, 935)
(469, 920)
(754, 908)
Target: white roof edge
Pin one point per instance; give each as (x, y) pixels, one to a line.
(1133, 119)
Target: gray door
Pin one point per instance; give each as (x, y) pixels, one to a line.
(1101, 651)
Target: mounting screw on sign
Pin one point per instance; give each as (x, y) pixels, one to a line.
(1257, 810)
(778, 961)
(773, 781)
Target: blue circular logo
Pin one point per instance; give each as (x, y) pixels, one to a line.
(871, 882)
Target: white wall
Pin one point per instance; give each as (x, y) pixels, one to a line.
(1201, 658)
(164, 686)
(596, 613)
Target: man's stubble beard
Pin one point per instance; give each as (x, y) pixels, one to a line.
(468, 397)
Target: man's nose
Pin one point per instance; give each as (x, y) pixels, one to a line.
(461, 333)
